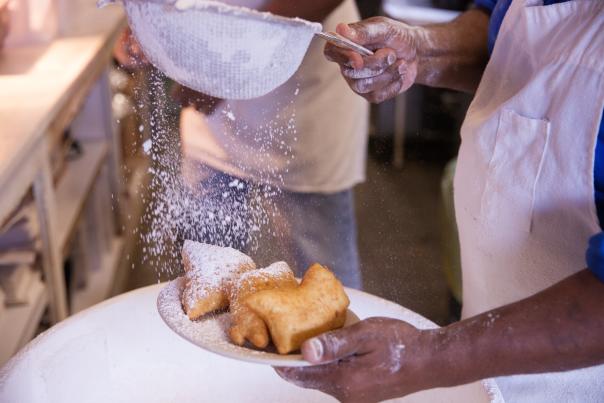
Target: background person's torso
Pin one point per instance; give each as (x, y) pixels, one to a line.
(309, 135)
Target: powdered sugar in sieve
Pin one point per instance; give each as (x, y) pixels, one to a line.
(221, 50)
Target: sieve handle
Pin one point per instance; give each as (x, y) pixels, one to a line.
(340, 41)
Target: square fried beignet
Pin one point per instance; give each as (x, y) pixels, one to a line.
(295, 315)
(245, 324)
(209, 274)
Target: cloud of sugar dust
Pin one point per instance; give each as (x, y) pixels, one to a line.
(220, 209)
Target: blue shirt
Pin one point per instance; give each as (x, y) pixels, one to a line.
(595, 253)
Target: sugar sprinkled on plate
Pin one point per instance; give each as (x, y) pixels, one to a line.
(210, 332)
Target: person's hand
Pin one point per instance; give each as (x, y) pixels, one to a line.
(373, 360)
(128, 52)
(391, 70)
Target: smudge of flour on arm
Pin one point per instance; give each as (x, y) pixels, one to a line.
(396, 357)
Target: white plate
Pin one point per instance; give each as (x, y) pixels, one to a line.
(210, 332)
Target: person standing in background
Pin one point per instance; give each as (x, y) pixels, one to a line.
(528, 201)
(304, 144)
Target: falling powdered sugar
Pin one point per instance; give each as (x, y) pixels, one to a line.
(147, 146)
(216, 209)
(229, 115)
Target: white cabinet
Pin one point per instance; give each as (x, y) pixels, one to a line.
(48, 88)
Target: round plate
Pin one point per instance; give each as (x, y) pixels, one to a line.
(210, 332)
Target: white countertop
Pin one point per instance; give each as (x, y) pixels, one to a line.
(121, 351)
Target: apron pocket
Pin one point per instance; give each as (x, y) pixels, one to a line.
(509, 194)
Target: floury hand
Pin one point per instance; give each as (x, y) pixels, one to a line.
(451, 55)
(374, 360)
(391, 70)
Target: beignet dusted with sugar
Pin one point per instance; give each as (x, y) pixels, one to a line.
(245, 324)
(293, 316)
(209, 274)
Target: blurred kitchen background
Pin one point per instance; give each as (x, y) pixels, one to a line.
(74, 176)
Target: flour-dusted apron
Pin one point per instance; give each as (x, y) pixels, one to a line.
(524, 188)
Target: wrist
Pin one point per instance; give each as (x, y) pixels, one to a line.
(424, 361)
(453, 55)
(452, 356)
(426, 40)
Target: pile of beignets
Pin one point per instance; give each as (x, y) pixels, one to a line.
(265, 303)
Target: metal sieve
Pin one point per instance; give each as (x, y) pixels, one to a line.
(221, 50)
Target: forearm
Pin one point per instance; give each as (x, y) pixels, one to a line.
(312, 10)
(454, 55)
(558, 329)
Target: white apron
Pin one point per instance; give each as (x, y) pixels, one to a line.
(524, 188)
